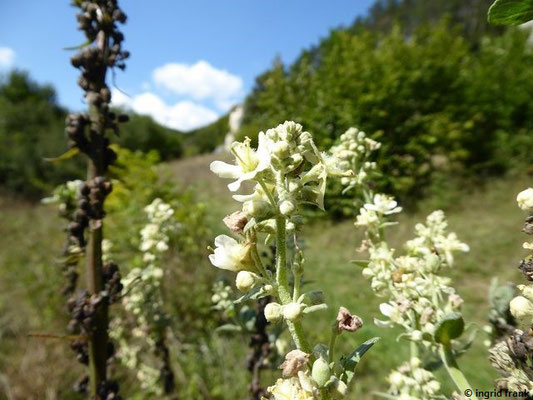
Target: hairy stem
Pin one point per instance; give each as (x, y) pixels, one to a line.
(295, 328)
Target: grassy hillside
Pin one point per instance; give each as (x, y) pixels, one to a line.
(486, 218)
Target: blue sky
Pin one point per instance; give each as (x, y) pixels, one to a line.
(191, 59)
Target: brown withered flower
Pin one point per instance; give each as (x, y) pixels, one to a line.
(347, 321)
(295, 361)
(236, 221)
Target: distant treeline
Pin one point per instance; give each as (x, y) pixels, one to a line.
(32, 129)
(441, 102)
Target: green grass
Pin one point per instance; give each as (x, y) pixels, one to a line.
(486, 218)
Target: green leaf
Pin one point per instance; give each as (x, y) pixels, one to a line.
(254, 294)
(510, 12)
(350, 362)
(80, 46)
(361, 263)
(65, 156)
(450, 327)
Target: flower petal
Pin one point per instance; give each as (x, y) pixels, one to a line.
(225, 170)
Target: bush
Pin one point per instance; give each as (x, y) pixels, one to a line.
(437, 104)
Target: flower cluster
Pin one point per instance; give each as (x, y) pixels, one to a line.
(288, 173)
(143, 298)
(419, 299)
(354, 152)
(412, 382)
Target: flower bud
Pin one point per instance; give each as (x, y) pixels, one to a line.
(433, 386)
(522, 309)
(292, 311)
(396, 379)
(321, 372)
(338, 389)
(245, 281)
(416, 336)
(525, 199)
(256, 208)
(281, 149)
(287, 207)
(273, 312)
(527, 291)
(415, 362)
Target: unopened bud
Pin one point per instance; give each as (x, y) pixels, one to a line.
(293, 311)
(256, 208)
(273, 312)
(338, 388)
(287, 207)
(527, 291)
(522, 309)
(321, 372)
(245, 281)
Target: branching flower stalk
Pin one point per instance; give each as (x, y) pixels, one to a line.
(143, 300)
(513, 356)
(419, 299)
(87, 133)
(288, 172)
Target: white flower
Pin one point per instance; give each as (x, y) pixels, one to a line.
(383, 204)
(291, 389)
(230, 254)
(248, 162)
(366, 217)
(525, 199)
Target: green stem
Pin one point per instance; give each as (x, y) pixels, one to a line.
(296, 290)
(414, 350)
(332, 340)
(454, 371)
(295, 328)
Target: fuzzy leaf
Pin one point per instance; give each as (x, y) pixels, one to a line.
(510, 12)
(450, 327)
(350, 362)
(254, 294)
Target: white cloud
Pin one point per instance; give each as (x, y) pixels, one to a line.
(7, 57)
(200, 81)
(183, 115)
